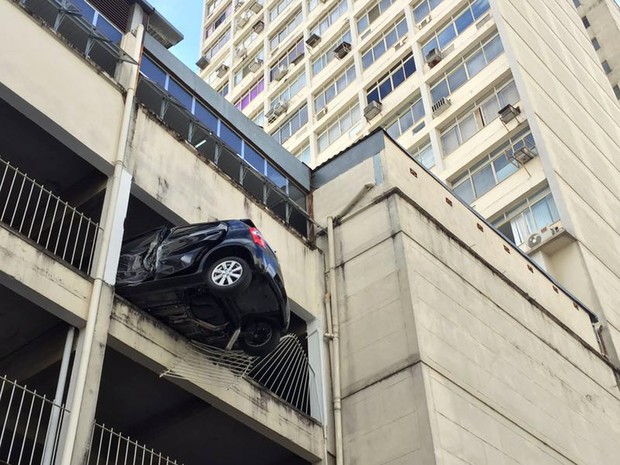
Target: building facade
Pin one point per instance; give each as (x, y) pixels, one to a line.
(419, 335)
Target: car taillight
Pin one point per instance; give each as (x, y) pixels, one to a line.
(257, 237)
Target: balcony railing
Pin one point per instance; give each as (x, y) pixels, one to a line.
(99, 43)
(33, 211)
(30, 425)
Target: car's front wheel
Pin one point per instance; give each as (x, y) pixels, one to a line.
(259, 338)
(229, 275)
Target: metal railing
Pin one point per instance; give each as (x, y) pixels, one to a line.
(35, 212)
(30, 425)
(109, 447)
(66, 19)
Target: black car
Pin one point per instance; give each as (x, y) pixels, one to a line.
(217, 283)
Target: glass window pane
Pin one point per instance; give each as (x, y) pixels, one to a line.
(254, 159)
(555, 216)
(508, 94)
(394, 130)
(421, 11)
(450, 140)
(385, 88)
(464, 21)
(475, 64)
(367, 60)
(468, 127)
(373, 95)
(275, 176)
(152, 71)
(446, 36)
(418, 110)
(180, 94)
(479, 7)
(541, 213)
(503, 168)
(401, 28)
(379, 49)
(206, 117)
(465, 192)
(391, 38)
(409, 67)
(430, 45)
(483, 180)
(106, 28)
(506, 230)
(439, 91)
(398, 77)
(373, 13)
(362, 23)
(230, 138)
(406, 121)
(457, 78)
(489, 110)
(493, 48)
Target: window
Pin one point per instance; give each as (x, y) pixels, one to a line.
(304, 154)
(458, 23)
(536, 212)
(383, 43)
(328, 55)
(585, 21)
(617, 91)
(468, 67)
(245, 70)
(330, 90)
(278, 8)
(337, 128)
(99, 21)
(407, 119)
(218, 45)
(606, 67)
(294, 87)
(210, 29)
(423, 9)
(212, 6)
(329, 18)
(577, 3)
(251, 94)
(484, 111)
(259, 119)
(312, 4)
(372, 13)
(285, 30)
(291, 125)
(292, 55)
(224, 90)
(595, 44)
(492, 169)
(390, 81)
(424, 155)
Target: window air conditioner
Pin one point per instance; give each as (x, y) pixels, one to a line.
(342, 50)
(271, 116)
(313, 40)
(523, 155)
(258, 26)
(203, 62)
(372, 110)
(440, 106)
(241, 52)
(322, 112)
(280, 107)
(238, 4)
(508, 113)
(243, 20)
(424, 22)
(256, 7)
(433, 57)
(255, 65)
(279, 73)
(222, 70)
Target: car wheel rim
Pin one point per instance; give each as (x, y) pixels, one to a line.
(227, 273)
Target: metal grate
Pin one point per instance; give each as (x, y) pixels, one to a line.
(109, 447)
(30, 425)
(36, 213)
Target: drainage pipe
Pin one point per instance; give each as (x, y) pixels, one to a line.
(102, 256)
(333, 322)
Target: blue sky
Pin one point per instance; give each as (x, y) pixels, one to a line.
(186, 16)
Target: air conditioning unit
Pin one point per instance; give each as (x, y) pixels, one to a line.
(424, 22)
(313, 40)
(440, 106)
(542, 236)
(222, 70)
(238, 4)
(433, 57)
(400, 43)
(372, 110)
(258, 26)
(241, 52)
(255, 65)
(271, 116)
(523, 155)
(342, 50)
(508, 113)
(256, 7)
(203, 62)
(243, 20)
(279, 73)
(280, 107)
(298, 58)
(322, 112)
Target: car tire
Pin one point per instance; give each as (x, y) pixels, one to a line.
(259, 337)
(228, 275)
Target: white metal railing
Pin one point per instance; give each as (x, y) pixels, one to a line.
(30, 425)
(35, 212)
(109, 447)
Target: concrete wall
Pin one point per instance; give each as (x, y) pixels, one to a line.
(575, 119)
(454, 349)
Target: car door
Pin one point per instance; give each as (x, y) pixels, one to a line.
(183, 248)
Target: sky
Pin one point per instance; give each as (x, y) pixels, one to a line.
(186, 16)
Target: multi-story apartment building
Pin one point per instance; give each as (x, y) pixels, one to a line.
(601, 19)
(419, 334)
